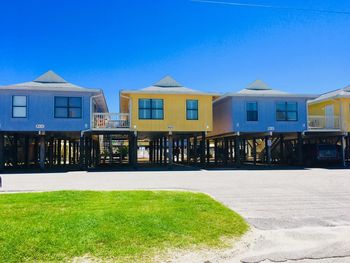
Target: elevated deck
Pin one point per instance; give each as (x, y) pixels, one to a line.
(111, 122)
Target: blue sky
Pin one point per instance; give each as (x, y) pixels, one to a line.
(127, 44)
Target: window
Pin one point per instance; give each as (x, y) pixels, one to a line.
(68, 107)
(252, 111)
(151, 109)
(19, 107)
(192, 109)
(287, 111)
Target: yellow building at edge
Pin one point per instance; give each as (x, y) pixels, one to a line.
(330, 111)
(168, 106)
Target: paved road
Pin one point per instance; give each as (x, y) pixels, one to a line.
(299, 215)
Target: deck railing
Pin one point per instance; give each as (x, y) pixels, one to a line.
(319, 122)
(111, 121)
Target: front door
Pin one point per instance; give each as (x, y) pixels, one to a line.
(329, 116)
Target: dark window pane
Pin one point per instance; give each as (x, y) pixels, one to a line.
(192, 104)
(144, 114)
(192, 115)
(157, 104)
(281, 106)
(61, 101)
(292, 106)
(144, 103)
(157, 114)
(252, 116)
(75, 102)
(61, 112)
(281, 116)
(292, 116)
(75, 113)
(252, 106)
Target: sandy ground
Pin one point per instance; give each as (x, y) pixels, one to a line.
(296, 215)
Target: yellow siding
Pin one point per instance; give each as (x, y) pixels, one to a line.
(341, 109)
(174, 113)
(345, 104)
(318, 108)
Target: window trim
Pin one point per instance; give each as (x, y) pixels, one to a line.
(286, 110)
(150, 109)
(257, 111)
(13, 106)
(197, 110)
(68, 107)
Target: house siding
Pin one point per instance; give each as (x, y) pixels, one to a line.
(174, 113)
(267, 115)
(40, 110)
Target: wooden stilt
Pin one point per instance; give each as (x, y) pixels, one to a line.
(237, 151)
(254, 151)
(208, 151)
(202, 149)
(182, 150)
(64, 151)
(188, 150)
(225, 151)
(216, 152)
(51, 150)
(195, 149)
(59, 148)
(160, 151)
(300, 149)
(26, 151)
(42, 152)
(170, 139)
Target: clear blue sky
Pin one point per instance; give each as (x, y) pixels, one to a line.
(127, 44)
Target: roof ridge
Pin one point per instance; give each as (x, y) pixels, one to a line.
(167, 82)
(50, 77)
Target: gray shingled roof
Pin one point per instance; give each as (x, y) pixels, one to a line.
(168, 85)
(339, 93)
(259, 88)
(49, 81)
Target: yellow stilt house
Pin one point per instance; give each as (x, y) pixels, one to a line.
(329, 120)
(330, 111)
(173, 119)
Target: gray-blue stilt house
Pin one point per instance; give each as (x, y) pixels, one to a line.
(259, 123)
(41, 121)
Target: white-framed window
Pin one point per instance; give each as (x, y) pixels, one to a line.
(19, 106)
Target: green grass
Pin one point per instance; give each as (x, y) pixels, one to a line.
(119, 226)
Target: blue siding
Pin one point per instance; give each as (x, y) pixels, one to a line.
(267, 115)
(40, 110)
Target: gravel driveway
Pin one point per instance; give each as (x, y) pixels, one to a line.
(297, 215)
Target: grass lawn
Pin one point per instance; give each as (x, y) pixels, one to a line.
(119, 226)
